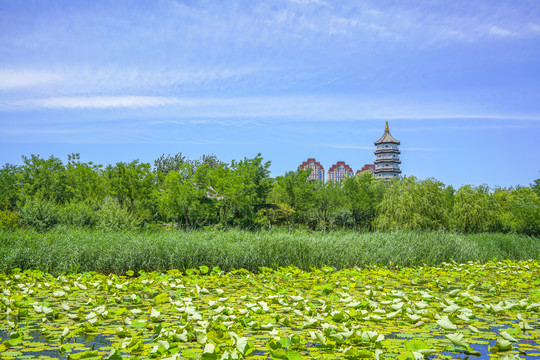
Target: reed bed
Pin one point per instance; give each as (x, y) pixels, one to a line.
(67, 250)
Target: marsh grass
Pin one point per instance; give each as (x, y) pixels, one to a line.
(64, 250)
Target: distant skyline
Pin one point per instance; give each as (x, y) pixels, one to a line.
(459, 83)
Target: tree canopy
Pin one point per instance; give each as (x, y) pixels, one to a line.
(192, 193)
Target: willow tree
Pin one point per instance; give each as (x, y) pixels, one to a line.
(411, 204)
(471, 212)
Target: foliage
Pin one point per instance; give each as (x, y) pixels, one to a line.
(450, 310)
(179, 195)
(78, 214)
(8, 187)
(524, 208)
(39, 214)
(363, 193)
(112, 216)
(42, 179)
(207, 192)
(471, 211)
(84, 182)
(411, 204)
(535, 186)
(295, 190)
(8, 219)
(130, 182)
(327, 198)
(165, 164)
(274, 214)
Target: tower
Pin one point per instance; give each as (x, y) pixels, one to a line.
(387, 156)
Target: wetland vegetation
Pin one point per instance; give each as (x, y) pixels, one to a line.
(198, 259)
(65, 250)
(446, 311)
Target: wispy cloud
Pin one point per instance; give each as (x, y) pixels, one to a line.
(310, 2)
(204, 122)
(370, 148)
(83, 79)
(495, 30)
(460, 127)
(348, 146)
(422, 149)
(27, 131)
(269, 108)
(104, 102)
(17, 79)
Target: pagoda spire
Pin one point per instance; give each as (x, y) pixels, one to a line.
(387, 156)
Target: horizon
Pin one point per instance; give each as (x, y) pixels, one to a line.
(459, 83)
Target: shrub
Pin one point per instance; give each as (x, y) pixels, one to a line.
(39, 214)
(112, 216)
(8, 219)
(78, 214)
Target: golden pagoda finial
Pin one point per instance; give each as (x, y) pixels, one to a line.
(386, 128)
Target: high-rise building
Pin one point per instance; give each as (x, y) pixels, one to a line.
(366, 167)
(317, 170)
(387, 156)
(339, 171)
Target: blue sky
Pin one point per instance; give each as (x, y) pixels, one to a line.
(458, 81)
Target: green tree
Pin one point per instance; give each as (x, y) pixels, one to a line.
(43, 179)
(130, 183)
(516, 210)
(413, 205)
(210, 161)
(39, 214)
(535, 186)
(9, 175)
(525, 207)
(180, 197)
(165, 164)
(295, 190)
(327, 197)
(111, 216)
(254, 185)
(222, 186)
(471, 212)
(363, 193)
(83, 180)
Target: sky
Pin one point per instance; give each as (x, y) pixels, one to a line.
(458, 82)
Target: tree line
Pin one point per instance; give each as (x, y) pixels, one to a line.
(179, 192)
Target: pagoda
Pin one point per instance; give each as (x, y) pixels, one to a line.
(387, 156)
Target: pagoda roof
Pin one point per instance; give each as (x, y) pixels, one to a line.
(387, 138)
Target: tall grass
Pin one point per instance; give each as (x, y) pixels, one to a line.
(69, 249)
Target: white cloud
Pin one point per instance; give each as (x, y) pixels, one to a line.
(495, 30)
(422, 149)
(250, 110)
(27, 131)
(370, 148)
(310, 2)
(17, 79)
(535, 28)
(105, 102)
(346, 146)
(87, 80)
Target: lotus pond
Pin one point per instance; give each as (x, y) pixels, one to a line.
(473, 310)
